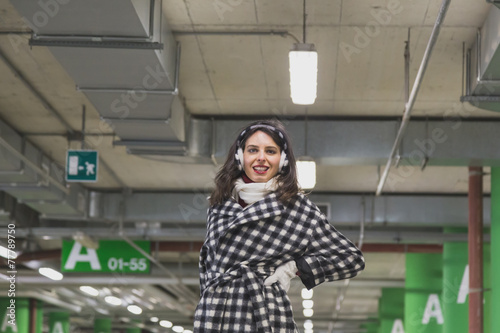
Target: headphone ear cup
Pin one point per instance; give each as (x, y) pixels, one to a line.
(283, 162)
(239, 158)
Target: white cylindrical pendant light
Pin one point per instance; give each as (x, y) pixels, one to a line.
(303, 73)
(306, 173)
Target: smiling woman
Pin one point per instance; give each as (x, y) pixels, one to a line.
(261, 157)
(262, 232)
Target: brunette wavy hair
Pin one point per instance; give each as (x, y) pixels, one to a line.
(230, 171)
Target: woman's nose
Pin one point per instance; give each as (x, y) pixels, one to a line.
(260, 156)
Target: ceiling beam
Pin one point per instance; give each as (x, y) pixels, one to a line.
(453, 140)
(190, 208)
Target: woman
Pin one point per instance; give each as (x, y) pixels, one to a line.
(262, 231)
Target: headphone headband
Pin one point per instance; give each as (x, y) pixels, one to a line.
(269, 127)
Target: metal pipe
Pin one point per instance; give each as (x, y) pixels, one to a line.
(16, 32)
(407, 68)
(467, 72)
(96, 44)
(127, 91)
(177, 69)
(151, 18)
(282, 33)
(475, 249)
(32, 315)
(83, 126)
(35, 92)
(463, 67)
(416, 86)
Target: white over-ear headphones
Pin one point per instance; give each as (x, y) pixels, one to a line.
(239, 152)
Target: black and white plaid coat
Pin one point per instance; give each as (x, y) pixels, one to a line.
(245, 246)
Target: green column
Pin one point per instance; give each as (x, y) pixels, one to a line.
(102, 325)
(134, 329)
(391, 310)
(39, 316)
(495, 249)
(455, 285)
(487, 287)
(423, 285)
(14, 314)
(371, 327)
(59, 322)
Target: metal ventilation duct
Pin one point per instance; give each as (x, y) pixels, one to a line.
(27, 174)
(123, 57)
(483, 65)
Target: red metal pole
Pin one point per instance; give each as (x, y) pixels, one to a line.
(476, 249)
(33, 323)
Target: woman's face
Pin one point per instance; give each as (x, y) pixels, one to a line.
(261, 157)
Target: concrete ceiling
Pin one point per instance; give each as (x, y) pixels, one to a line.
(233, 67)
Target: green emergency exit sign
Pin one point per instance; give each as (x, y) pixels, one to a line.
(111, 256)
(81, 165)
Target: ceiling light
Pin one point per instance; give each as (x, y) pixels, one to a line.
(308, 325)
(306, 294)
(307, 303)
(89, 290)
(50, 273)
(308, 331)
(306, 173)
(6, 253)
(308, 312)
(154, 319)
(102, 311)
(113, 300)
(178, 329)
(303, 73)
(134, 309)
(166, 323)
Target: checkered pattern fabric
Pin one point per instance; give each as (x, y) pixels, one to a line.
(245, 246)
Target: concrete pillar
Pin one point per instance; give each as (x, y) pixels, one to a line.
(423, 286)
(391, 310)
(14, 315)
(59, 322)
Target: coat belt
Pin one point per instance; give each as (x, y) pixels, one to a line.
(254, 287)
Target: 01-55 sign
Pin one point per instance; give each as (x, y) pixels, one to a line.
(110, 256)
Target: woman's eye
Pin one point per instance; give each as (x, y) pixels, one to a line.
(252, 150)
(271, 152)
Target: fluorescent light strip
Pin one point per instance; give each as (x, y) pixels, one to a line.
(50, 273)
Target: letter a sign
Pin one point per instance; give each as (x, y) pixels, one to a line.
(397, 327)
